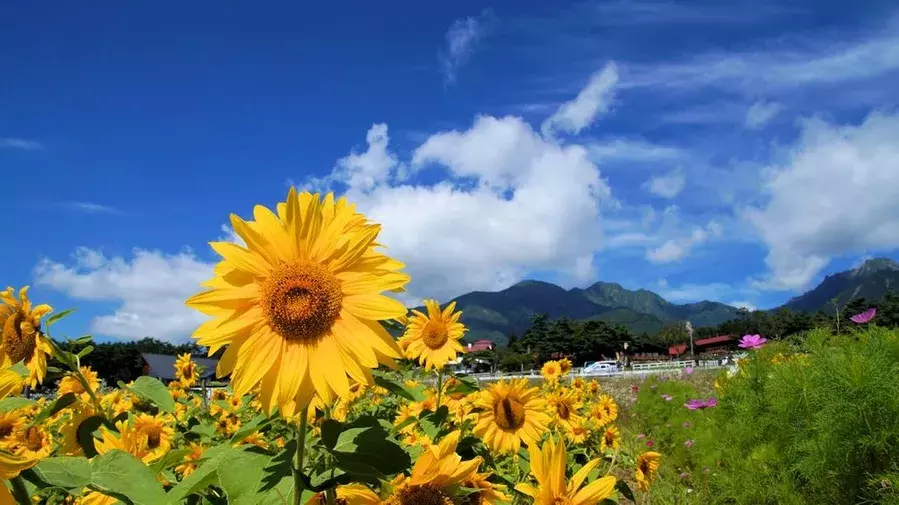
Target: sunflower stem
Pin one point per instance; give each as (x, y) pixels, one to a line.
(298, 484)
(439, 385)
(19, 491)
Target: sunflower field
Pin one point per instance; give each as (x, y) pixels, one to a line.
(325, 407)
(318, 409)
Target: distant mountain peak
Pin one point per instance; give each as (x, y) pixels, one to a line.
(876, 265)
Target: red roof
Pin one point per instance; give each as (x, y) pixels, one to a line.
(713, 340)
(677, 349)
(480, 345)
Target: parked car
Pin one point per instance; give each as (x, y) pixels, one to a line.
(600, 368)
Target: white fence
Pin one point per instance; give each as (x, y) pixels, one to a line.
(646, 368)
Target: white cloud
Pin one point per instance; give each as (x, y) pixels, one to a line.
(594, 100)
(678, 248)
(92, 208)
(760, 113)
(17, 143)
(835, 194)
(715, 291)
(668, 185)
(620, 149)
(150, 289)
(461, 39)
(744, 305)
(512, 202)
(796, 63)
(618, 12)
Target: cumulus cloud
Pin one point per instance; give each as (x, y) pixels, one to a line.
(510, 202)
(461, 40)
(760, 113)
(92, 208)
(668, 185)
(678, 248)
(149, 287)
(593, 101)
(835, 194)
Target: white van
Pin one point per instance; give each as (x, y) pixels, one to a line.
(600, 368)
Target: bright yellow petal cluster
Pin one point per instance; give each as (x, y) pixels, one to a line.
(510, 412)
(299, 305)
(21, 338)
(647, 468)
(433, 338)
(548, 466)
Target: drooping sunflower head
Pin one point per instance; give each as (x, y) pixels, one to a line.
(433, 338)
(605, 410)
(186, 370)
(565, 365)
(71, 384)
(551, 371)
(510, 412)
(299, 306)
(611, 439)
(646, 469)
(10, 423)
(21, 338)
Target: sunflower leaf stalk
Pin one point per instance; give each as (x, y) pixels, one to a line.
(298, 481)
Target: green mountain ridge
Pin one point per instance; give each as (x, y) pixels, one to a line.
(496, 315)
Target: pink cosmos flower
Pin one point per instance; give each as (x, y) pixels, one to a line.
(650, 443)
(641, 436)
(688, 370)
(752, 341)
(684, 475)
(701, 404)
(635, 388)
(667, 398)
(688, 444)
(686, 424)
(864, 317)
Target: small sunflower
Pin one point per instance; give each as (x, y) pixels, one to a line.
(647, 468)
(32, 442)
(487, 492)
(71, 384)
(511, 412)
(145, 437)
(577, 433)
(548, 468)
(21, 338)
(611, 439)
(605, 410)
(350, 494)
(186, 370)
(433, 338)
(300, 307)
(437, 472)
(189, 465)
(256, 438)
(551, 371)
(566, 365)
(565, 407)
(117, 401)
(593, 388)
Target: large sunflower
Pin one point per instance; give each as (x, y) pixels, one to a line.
(21, 338)
(299, 306)
(433, 338)
(548, 468)
(511, 412)
(436, 476)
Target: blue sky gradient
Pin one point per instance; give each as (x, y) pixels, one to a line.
(735, 152)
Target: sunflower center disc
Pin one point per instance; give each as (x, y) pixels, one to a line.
(509, 413)
(423, 495)
(434, 335)
(563, 410)
(301, 301)
(19, 344)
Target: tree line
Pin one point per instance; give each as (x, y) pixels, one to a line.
(583, 341)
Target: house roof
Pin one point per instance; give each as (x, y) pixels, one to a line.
(676, 349)
(713, 340)
(162, 366)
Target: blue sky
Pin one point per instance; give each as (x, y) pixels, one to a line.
(735, 152)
